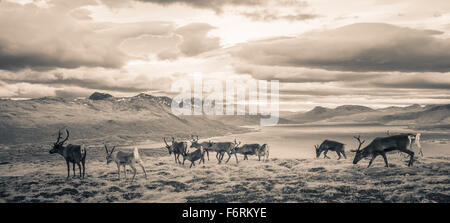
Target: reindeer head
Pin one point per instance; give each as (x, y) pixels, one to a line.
(317, 151)
(194, 142)
(236, 146)
(58, 146)
(167, 145)
(359, 153)
(109, 157)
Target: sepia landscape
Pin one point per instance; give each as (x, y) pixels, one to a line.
(292, 173)
(164, 101)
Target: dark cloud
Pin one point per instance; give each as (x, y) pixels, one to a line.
(266, 15)
(300, 74)
(416, 83)
(215, 5)
(359, 47)
(46, 38)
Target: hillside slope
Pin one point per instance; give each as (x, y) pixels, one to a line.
(410, 115)
(106, 119)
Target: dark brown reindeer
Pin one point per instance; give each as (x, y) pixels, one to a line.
(382, 145)
(74, 154)
(205, 145)
(198, 154)
(247, 149)
(330, 145)
(177, 148)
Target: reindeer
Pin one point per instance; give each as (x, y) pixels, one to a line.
(330, 145)
(198, 154)
(123, 159)
(177, 148)
(263, 151)
(247, 149)
(414, 139)
(205, 145)
(74, 154)
(224, 147)
(382, 145)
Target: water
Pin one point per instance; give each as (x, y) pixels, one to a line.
(297, 141)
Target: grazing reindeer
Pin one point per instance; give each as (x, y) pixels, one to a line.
(205, 145)
(414, 139)
(124, 159)
(224, 147)
(198, 154)
(381, 145)
(74, 154)
(332, 146)
(177, 148)
(263, 151)
(247, 149)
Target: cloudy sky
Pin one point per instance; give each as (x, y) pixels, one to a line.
(377, 52)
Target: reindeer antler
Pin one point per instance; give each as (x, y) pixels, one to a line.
(359, 141)
(165, 141)
(59, 136)
(67, 137)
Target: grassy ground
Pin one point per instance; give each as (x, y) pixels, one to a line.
(42, 179)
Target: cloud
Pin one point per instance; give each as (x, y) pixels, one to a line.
(268, 16)
(87, 79)
(215, 5)
(301, 74)
(359, 47)
(196, 39)
(45, 38)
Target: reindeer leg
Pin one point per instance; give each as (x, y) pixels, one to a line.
(343, 153)
(125, 170)
(371, 160)
(411, 154)
(207, 153)
(73, 167)
(79, 168)
(143, 169)
(84, 167)
(385, 159)
(134, 170)
(325, 154)
(229, 156)
(175, 157)
(68, 169)
(339, 155)
(118, 170)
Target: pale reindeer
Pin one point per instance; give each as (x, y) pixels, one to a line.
(123, 159)
(75, 154)
(263, 151)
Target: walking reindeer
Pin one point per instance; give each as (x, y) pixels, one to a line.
(123, 159)
(382, 145)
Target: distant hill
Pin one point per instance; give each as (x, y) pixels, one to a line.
(410, 115)
(321, 113)
(101, 117)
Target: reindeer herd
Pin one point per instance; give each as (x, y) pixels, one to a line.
(193, 150)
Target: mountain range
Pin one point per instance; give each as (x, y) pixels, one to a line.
(104, 118)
